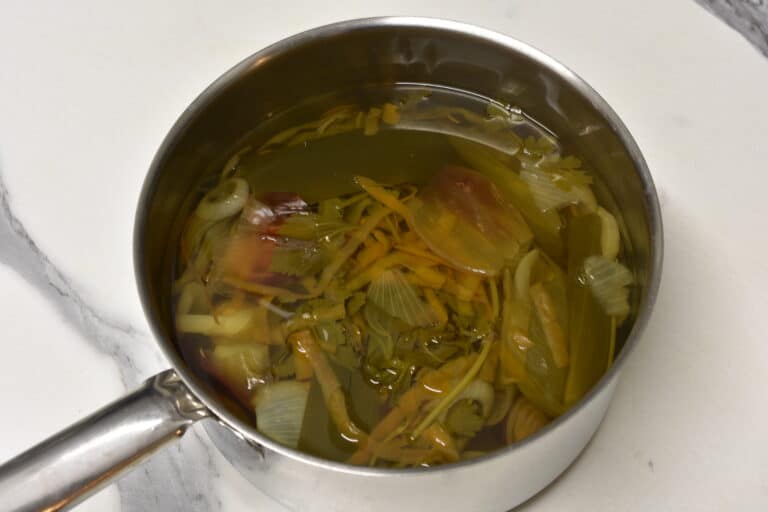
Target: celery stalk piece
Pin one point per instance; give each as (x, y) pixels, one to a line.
(590, 327)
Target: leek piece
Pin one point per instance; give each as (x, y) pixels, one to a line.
(224, 200)
(280, 411)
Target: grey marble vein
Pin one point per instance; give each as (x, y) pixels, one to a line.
(748, 17)
(170, 480)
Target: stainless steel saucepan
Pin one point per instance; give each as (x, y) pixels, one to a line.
(73, 464)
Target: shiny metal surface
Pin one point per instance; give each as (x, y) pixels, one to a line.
(344, 56)
(388, 50)
(492, 484)
(61, 471)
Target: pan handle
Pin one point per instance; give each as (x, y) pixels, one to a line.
(78, 461)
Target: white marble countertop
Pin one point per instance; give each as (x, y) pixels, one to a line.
(89, 89)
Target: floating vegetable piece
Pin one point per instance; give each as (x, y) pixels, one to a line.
(356, 239)
(515, 315)
(448, 399)
(280, 411)
(304, 342)
(383, 332)
(258, 260)
(455, 240)
(468, 412)
(530, 333)
(259, 328)
(282, 363)
(193, 299)
(609, 234)
(220, 325)
(393, 259)
(240, 367)
(438, 309)
(546, 379)
(355, 303)
(396, 296)
(371, 125)
(553, 330)
(300, 227)
(608, 281)
(490, 368)
(461, 217)
(390, 114)
(313, 313)
(554, 187)
(372, 252)
(319, 435)
(247, 257)
(546, 226)
(523, 274)
(297, 257)
(590, 328)
(464, 418)
(467, 284)
(302, 366)
(258, 216)
(547, 195)
(442, 441)
(382, 195)
(408, 404)
(224, 200)
(502, 403)
(524, 420)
